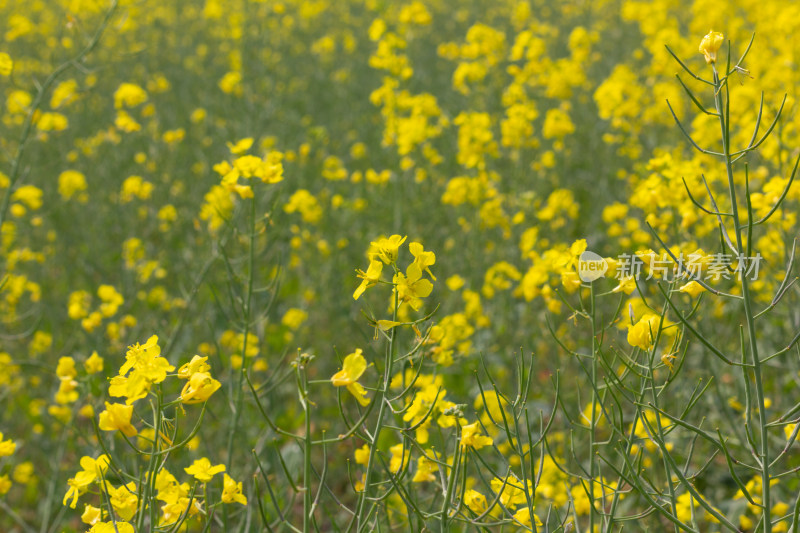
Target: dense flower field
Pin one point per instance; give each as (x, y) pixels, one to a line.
(422, 265)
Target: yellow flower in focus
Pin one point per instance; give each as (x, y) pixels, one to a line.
(354, 366)
(199, 388)
(202, 470)
(386, 249)
(370, 278)
(411, 288)
(197, 364)
(124, 499)
(117, 417)
(91, 515)
(93, 469)
(422, 258)
(710, 45)
(232, 491)
(470, 436)
(148, 367)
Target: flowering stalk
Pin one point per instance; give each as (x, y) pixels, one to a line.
(742, 247)
(237, 410)
(380, 397)
(747, 299)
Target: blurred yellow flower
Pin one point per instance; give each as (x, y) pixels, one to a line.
(642, 334)
(7, 447)
(241, 146)
(471, 436)
(129, 95)
(6, 64)
(692, 289)
(232, 491)
(94, 364)
(425, 470)
(362, 455)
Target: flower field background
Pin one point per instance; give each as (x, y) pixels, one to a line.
(320, 266)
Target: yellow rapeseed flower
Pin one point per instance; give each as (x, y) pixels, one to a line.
(91, 515)
(354, 367)
(475, 501)
(232, 491)
(386, 249)
(197, 364)
(93, 469)
(7, 447)
(202, 470)
(369, 278)
(199, 388)
(710, 45)
(117, 417)
(6, 64)
(470, 436)
(94, 364)
(112, 527)
(642, 334)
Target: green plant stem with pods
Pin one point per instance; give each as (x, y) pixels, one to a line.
(741, 247)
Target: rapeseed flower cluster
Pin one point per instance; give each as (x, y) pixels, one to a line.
(207, 170)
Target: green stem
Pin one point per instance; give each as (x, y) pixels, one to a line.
(592, 418)
(380, 396)
(724, 118)
(307, 511)
(451, 481)
(237, 412)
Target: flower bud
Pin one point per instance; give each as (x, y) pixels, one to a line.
(710, 45)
